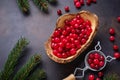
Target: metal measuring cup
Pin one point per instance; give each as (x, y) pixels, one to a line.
(98, 50)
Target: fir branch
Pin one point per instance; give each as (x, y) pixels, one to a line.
(39, 74)
(23, 73)
(13, 58)
(111, 77)
(41, 4)
(23, 5)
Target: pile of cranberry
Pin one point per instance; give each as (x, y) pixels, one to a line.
(67, 40)
(95, 60)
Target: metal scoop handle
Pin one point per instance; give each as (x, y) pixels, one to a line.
(80, 69)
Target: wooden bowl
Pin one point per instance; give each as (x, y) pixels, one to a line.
(86, 15)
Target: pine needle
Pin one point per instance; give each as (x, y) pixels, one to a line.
(23, 73)
(23, 5)
(111, 77)
(13, 58)
(41, 4)
(39, 74)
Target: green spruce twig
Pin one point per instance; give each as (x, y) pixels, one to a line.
(41, 4)
(13, 58)
(23, 5)
(111, 77)
(23, 73)
(39, 74)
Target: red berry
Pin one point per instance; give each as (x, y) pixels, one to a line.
(73, 51)
(117, 55)
(100, 74)
(91, 77)
(64, 55)
(118, 19)
(101, 63)
(115, 47)
(59, 12)
(92, 66)
(96, 61)
(82, 2)
(112, 38)
(75, 1)
(59, 55)
(97, 79)
(94, 1)
(78, 4)
(112, 31)
(90, 61)
(83, 41)
(66, 8)
(101, 58)
(91, 56)
(57, 40)
(88, 2)
(97, 55)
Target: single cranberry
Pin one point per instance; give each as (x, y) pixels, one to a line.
(88, 2)
(101, 63)
(112, 38)
(90, 61)
(59, 55)
(82, 2)
(118, 19)
(57, 40)
(100, 74)
(96, 61)
(112, 31)
(78, 4)
(97, 55)
(67, 8)
(73, 51)
(75, 1)
(117, 55)
(68, 45)
(91, 56)
(92, 66)
(61, 44)
(115, 47)
(97, 67)
(56, 33)
(60, 49)
(91, 77)
(97, 79)
(67, 22)
(55, 52)
(83, 41)
(59, 12)
(101, 58)
(94, 1)
(64, 55)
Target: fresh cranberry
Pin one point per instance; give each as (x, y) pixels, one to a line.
(88, 2)
(115, 47)
(117, 55)
(112, 38)
(75, 1)
(101, 58)
(97, 55)
(90, 61)
(82, 2)
(91, 77)
(97, 79)
(92, 66)
(64, 55)
(96, 61)
(68, 45)
(59, 12)
(78, 4)
(112, 31)
(83, 41)
(100, 74)
(101, 63)
(94, 1)
(59, 55)
(91, 56)
(57, 40)
(73, 51)
(66, 8)
(118, 19)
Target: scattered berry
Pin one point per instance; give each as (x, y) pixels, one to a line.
(117, 55)
(118, 19)
(66, 8)
(91, 77)
(100, 74)
(115, 47)
(112, 38)
(97, 79)
(78, 4)
(88, 2)
(59, 12)
(82, 2)
(94, 1)
(112, 31)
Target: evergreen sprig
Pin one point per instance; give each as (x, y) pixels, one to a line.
(23, 5)
(39, 74)
(111, 77)
(23, 73)
(41, 4)
(13, 58)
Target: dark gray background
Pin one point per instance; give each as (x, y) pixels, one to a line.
(38, 26)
